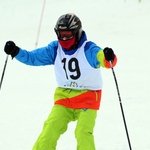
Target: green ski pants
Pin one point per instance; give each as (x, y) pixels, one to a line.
(56, 124)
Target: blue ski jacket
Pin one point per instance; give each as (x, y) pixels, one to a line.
(46, 55)
(76, 98)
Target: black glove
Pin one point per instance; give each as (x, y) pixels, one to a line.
(109, 54)
(11, 48)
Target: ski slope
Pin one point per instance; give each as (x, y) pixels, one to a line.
(26, 96)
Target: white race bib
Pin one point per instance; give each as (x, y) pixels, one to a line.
(74, 71)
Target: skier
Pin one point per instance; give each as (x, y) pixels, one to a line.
(77, 63)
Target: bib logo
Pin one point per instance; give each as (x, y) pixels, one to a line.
(73, 84)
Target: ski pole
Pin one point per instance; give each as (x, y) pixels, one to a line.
(121, 106)
(40, 23)
(3, 71)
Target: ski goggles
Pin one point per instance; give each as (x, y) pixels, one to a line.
(65, 34)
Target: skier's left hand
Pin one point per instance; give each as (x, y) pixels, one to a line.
(109, 54)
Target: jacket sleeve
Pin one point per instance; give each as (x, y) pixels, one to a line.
(91, 50)
(95, 56)
(39, 57)
(103, 62)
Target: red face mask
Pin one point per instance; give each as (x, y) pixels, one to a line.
(67, 44)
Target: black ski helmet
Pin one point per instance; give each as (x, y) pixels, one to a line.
(69, 22)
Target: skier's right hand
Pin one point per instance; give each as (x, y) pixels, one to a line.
(11, 48)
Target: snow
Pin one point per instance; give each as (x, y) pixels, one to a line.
(26, 96)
